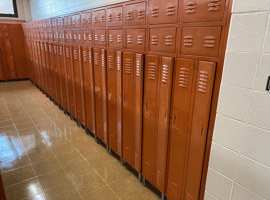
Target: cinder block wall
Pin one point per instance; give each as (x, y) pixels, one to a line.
(240, 156)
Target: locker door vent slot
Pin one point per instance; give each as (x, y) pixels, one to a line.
(147, 170)
(170, 10)
(190, 7)
(213, 5)
(159, 178)
(138, 68)
(173, 190)
(203, 81)
(140, 14)
(84, 56)
(96, 58)
(152, 71)
(188, 41)
(110, 61)
(128, 66)
(155, 12)
(209, 42)
(165, 72)
(183, 77)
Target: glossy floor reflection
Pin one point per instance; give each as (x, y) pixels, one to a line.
(44, 155)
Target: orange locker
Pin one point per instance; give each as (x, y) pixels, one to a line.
(100, 37)
(99, 18)
(157, 99)
(135, 14)
(51, 73)
(114, 16)
(76, 21)
(42, 61)
(135, 39)
(201, 41)
(47, 65)
(162, 39)
(86, 20)
(179, 127)
(89, 88)
(70, 79)
(115, 39)
(79, 83)
(114, 77)
(38, 64)
(87, 37)
(199, 130)
(62, 75)
(56, 72)
(163, 12)
(202, 10)
(132, 108)
(101, 94)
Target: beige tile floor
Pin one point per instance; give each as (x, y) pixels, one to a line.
(44, 155)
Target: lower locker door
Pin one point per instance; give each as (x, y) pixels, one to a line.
(128, 110)
(79, 86)
(43, 53)
(52, 85)
(112, 109)
(57, 74)
(62, 74)
(179, 127)
(70, 79)
(47, 65)
(101, 94)
(200, 119)
(89, 92)
(150, 114)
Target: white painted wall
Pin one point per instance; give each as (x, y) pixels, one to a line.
(24, 12)
(240, 156)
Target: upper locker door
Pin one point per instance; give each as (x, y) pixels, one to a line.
(199, 130)
(70, 79)
(114, 75)
(128, 110)
(79, 84)
(135, 14)
(162, 12)
(179, 127)
(202, 10)
(114, 16)
(158, 81)
(89, 88)
(101, 94)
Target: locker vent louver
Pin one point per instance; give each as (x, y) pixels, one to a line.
(110, 17)
(170, 10)
(96, 59)
(96, 37)
(90, 56)
(70, 36)
(183, 77)
(138, 68)
(119, 17)
(110, 38)
(89, 37)
(67, 52)
(155, 12)
(102, 18)
(54, 48)
(129, 15)
(83, 20)
(75, 36)
(203, 80)
(140, 14)
(213, 5)
(147, 170)
(128, 66)
(152, 71)
(129, 39)
(154, 39)
(168, 40)
(67, 36)
(89, 20)
(126, 154)
(110, 61)
(140, 39)
(119, 38)
(84, 37)
(190, 7)
(60, 51)
(79, 37)
(75, 53)
(173, 190)
(84, 56)
(102, 60)
(102, 38)
(165, 73)
(189, 197)
(95, 19)
(118, 63)
(209, 42)
(188, 41)
(80, 54)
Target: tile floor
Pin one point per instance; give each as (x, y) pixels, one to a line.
(45, 155)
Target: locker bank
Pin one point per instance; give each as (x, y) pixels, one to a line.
(134, 99)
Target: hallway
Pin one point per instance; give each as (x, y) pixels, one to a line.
(45, 155)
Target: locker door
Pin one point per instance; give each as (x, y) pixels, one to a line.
(135, 14)
(79, 86)
(163, 12)
(99, 18)
(135, 39)
(115, 39)
(200, 119)
(114, 75)
(52, 85)
(150, 114)
(56, 72)
(128, 114)
(138, 99)
(39, 63)
(86, 20)
(114, 16)
(179, 127)
(42, 62)
(89, 88)
(100, 37)
(70, 79)
(101, 94)
(62, 73)
(87, 37)
(47, 65)
(202, 10)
